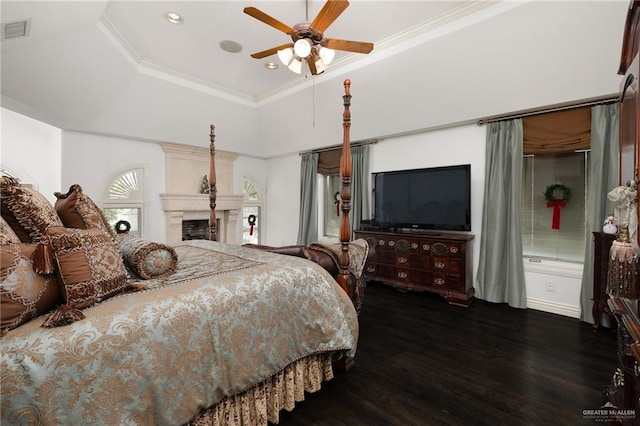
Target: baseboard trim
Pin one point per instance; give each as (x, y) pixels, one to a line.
(553, 307)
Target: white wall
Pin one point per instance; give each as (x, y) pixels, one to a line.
(93, 161)
(283, 205)
(30, 150)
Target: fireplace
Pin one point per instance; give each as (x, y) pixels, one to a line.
(195, 229)
(185, 167)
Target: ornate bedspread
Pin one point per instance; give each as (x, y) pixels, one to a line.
(181, 344)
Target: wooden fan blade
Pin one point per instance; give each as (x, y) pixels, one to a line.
(269, 52)
(348, 45)
(312, 65)
(263, 17)
(329, 13)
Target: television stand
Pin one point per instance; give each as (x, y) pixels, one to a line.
(409, 261)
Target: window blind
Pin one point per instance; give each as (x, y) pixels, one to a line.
(538, 237)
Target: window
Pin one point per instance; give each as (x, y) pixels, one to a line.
(331, 190)
(538, 238)
(251, 210)
(124, 200)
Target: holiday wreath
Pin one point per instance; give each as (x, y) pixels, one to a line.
(549, 192)
(252, 221)
(557, 203)
(122, 227)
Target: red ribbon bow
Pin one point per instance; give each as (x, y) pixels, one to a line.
(337, 203)
(556, 204)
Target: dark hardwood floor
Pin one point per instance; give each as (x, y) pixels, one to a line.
(421, 361)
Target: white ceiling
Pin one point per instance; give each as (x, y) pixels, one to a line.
(88, 65)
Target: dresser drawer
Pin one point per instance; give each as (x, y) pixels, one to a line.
(403, 260)
(455, 250)
(371, 270)
(404, 276)
(440, 264)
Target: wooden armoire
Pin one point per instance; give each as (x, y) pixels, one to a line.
(624, 391)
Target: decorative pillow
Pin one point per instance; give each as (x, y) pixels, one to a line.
(7, 236)
(89, 264)
(26, 211)
(77, 210)
(147, 259)
(24, 294)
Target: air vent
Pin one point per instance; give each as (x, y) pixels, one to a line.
(16, 29)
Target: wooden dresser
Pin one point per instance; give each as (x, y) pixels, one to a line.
(441, 264)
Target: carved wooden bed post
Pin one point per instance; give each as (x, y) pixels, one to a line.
(213, 233)
(345, 193)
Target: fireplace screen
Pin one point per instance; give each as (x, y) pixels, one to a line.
(197, 229)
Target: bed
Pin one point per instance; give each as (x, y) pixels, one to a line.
(201, 332)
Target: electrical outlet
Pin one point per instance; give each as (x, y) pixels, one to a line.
(551, 286)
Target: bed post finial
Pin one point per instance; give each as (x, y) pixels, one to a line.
(345, 193)
(213, 233)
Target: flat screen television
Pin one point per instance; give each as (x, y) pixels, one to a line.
(435, 198)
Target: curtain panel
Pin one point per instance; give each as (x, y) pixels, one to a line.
(360, 193)
(602, 177)
(308, 219)
(501, 270)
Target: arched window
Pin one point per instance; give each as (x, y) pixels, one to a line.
(123, 200)
(251, 212)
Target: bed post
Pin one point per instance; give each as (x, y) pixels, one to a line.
(345, 193)
(213, 233)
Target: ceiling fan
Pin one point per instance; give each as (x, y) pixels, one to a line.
(308, 41)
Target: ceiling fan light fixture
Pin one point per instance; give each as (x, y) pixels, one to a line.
(320, 66)
(285, 56)
(326, 55)
(302, 48)
(295, 66)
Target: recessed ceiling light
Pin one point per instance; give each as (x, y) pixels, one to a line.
(271, 65)
(230, 46)
(173, 17)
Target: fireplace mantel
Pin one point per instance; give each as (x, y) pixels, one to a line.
(179, 207)
(185, 168)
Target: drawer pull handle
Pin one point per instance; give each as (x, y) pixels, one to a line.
(392, 243)
(371, 269)
(381, 242)
(402, 275)
(453, 249)
(439, 265)
(402, 260)
(438, 281)
(426, 247)
(414, 245)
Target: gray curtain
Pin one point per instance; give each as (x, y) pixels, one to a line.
(308, 222)
(360, 193)
(501, 270)
(602, 178)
